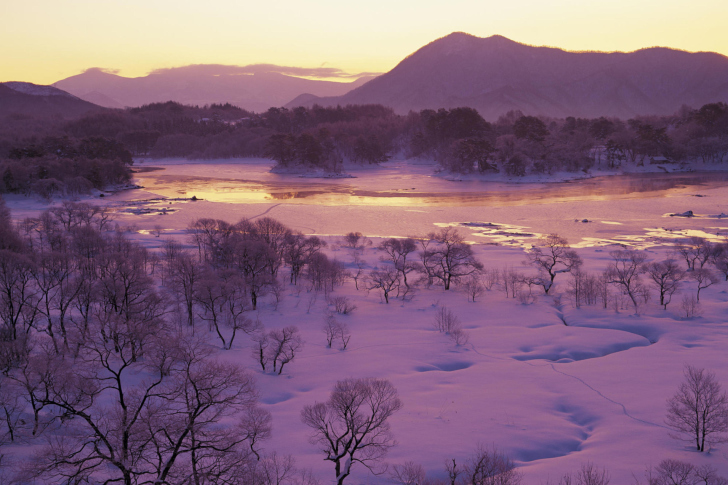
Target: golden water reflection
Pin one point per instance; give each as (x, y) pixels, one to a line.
(352, 192)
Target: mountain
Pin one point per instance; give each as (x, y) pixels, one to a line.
(255, 88)
(496, 75)
(41, 101)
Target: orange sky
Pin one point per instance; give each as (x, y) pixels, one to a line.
(43, 41)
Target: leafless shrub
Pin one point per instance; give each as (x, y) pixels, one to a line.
(473, 286)
(525, 297)
(277, 290)
(342, 305)
(355, 240)
(459, 336)
(676, 472)
(312, 301)
(409, 473)
(588, 474)
(445, 320)
(690, 306)
(491, 467)
(448, 323)
(275, 470)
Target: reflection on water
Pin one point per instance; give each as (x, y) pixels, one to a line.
(453, 194)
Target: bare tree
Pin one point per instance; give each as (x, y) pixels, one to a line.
(398, 251)
(298, 252)
(704, 278)
(511, 280)
(353, 425)
(145, 407)
(447, 258)
(385, 279)
(552, 256)
(284, 345)
(624, 272)
(584, 288)
(666, 276)
(719, 259)
(17, 293)
(276, 470)
(356, 240)
(336, 330)
(325, 274)
(696, 251)
(699, 409)
(491, 467)
(360, 265)
(453, 471)
(260, 348)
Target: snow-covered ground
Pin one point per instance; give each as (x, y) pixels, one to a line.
(551, 395)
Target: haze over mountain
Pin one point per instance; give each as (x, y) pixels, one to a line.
(495, 75)
(254, 87)
(41, 101)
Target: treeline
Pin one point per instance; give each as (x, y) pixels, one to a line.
(58, 166)
(459, 138)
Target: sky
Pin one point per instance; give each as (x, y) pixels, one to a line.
(43, 41)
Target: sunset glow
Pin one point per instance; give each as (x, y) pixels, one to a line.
(44, 41)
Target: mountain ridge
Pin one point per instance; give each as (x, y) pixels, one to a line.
(28, 99)
(495, 75)
(255, 88)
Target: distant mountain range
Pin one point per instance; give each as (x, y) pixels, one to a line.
(255, 88)
(41, 101)
(496, 75)
(493, 75)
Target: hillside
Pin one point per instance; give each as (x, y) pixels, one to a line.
(41, 101)
(496, 75)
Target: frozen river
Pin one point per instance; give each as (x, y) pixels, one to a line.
(402, 199)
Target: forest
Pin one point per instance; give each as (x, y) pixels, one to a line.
(112, 365)
(459, 139)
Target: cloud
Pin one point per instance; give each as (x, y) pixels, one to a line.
(102, 69)
(228, 70)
